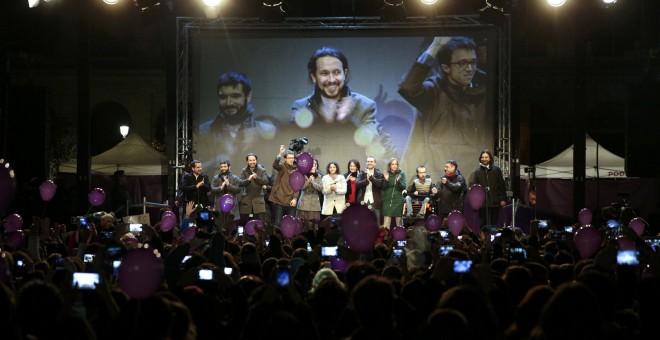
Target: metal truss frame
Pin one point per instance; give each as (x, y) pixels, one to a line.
(186, 25)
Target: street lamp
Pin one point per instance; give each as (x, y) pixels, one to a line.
(124, 130)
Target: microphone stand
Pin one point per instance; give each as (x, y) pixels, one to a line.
(487, 199)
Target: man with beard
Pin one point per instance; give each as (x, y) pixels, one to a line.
(282, 196)
(452, 117)
(422, 188)
(371, 182)
(491, 179)
(225, 183)
(235, 130)
(253, 180)
(196, 185)
(333, 104)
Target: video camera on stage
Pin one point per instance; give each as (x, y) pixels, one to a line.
(297, 145)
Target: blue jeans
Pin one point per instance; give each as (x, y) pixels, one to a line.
(409, 209)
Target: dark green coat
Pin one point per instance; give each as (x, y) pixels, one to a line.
(392, 197)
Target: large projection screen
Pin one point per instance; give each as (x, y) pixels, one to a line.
(275, 58)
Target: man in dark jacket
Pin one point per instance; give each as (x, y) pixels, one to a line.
(491, 179)
(196, 185)
(371, 182)
(452, 118)
(451, 189)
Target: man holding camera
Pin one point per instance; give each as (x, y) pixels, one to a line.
(283, 197)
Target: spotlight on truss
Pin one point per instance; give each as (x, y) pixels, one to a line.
(272, 11)
(393, 10)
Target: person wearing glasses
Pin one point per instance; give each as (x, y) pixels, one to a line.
(451, 119)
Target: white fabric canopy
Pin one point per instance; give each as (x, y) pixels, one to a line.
(600, 162)
(133, 155)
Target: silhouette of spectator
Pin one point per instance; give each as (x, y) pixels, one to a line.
(528, 312)
(357, 271)
(373, 301)
(445, 323)
(571, 313)
(328, 301)
(519, 280)
(482, 322)
(43, 314)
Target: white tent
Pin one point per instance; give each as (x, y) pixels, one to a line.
(133, 155)
(599, 163)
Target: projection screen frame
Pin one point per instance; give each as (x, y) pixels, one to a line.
(187, 25)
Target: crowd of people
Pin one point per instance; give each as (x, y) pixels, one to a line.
(207, 275)
(490, 284)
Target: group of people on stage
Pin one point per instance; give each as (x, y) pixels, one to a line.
(327, 195)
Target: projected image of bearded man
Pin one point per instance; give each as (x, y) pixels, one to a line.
(234, 131)
(334, 114)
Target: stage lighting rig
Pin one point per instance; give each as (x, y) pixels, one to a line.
(272, 11)
(393, 10)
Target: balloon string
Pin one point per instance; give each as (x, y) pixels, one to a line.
(88, 210)
(43, 213)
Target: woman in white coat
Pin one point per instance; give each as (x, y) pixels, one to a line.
(334, 191)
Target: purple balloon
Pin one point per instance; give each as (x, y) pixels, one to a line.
(13, 222)
(399, 233)
(227, 203)
(188, 234)
(587, 241)
(338, 264)
(288, 226)
(638, 225)
(167, 221)
(140, 273)
(625, 243)
(47, 190)
(96, 197)
(585, 216)
(476, 196)
(359, 228)
(7, 187)
(433, 223)
(305, 162)
(250, 228)
(15, 239)
(455, 222)
(296, 180)
(252, 225)
(299, 225)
